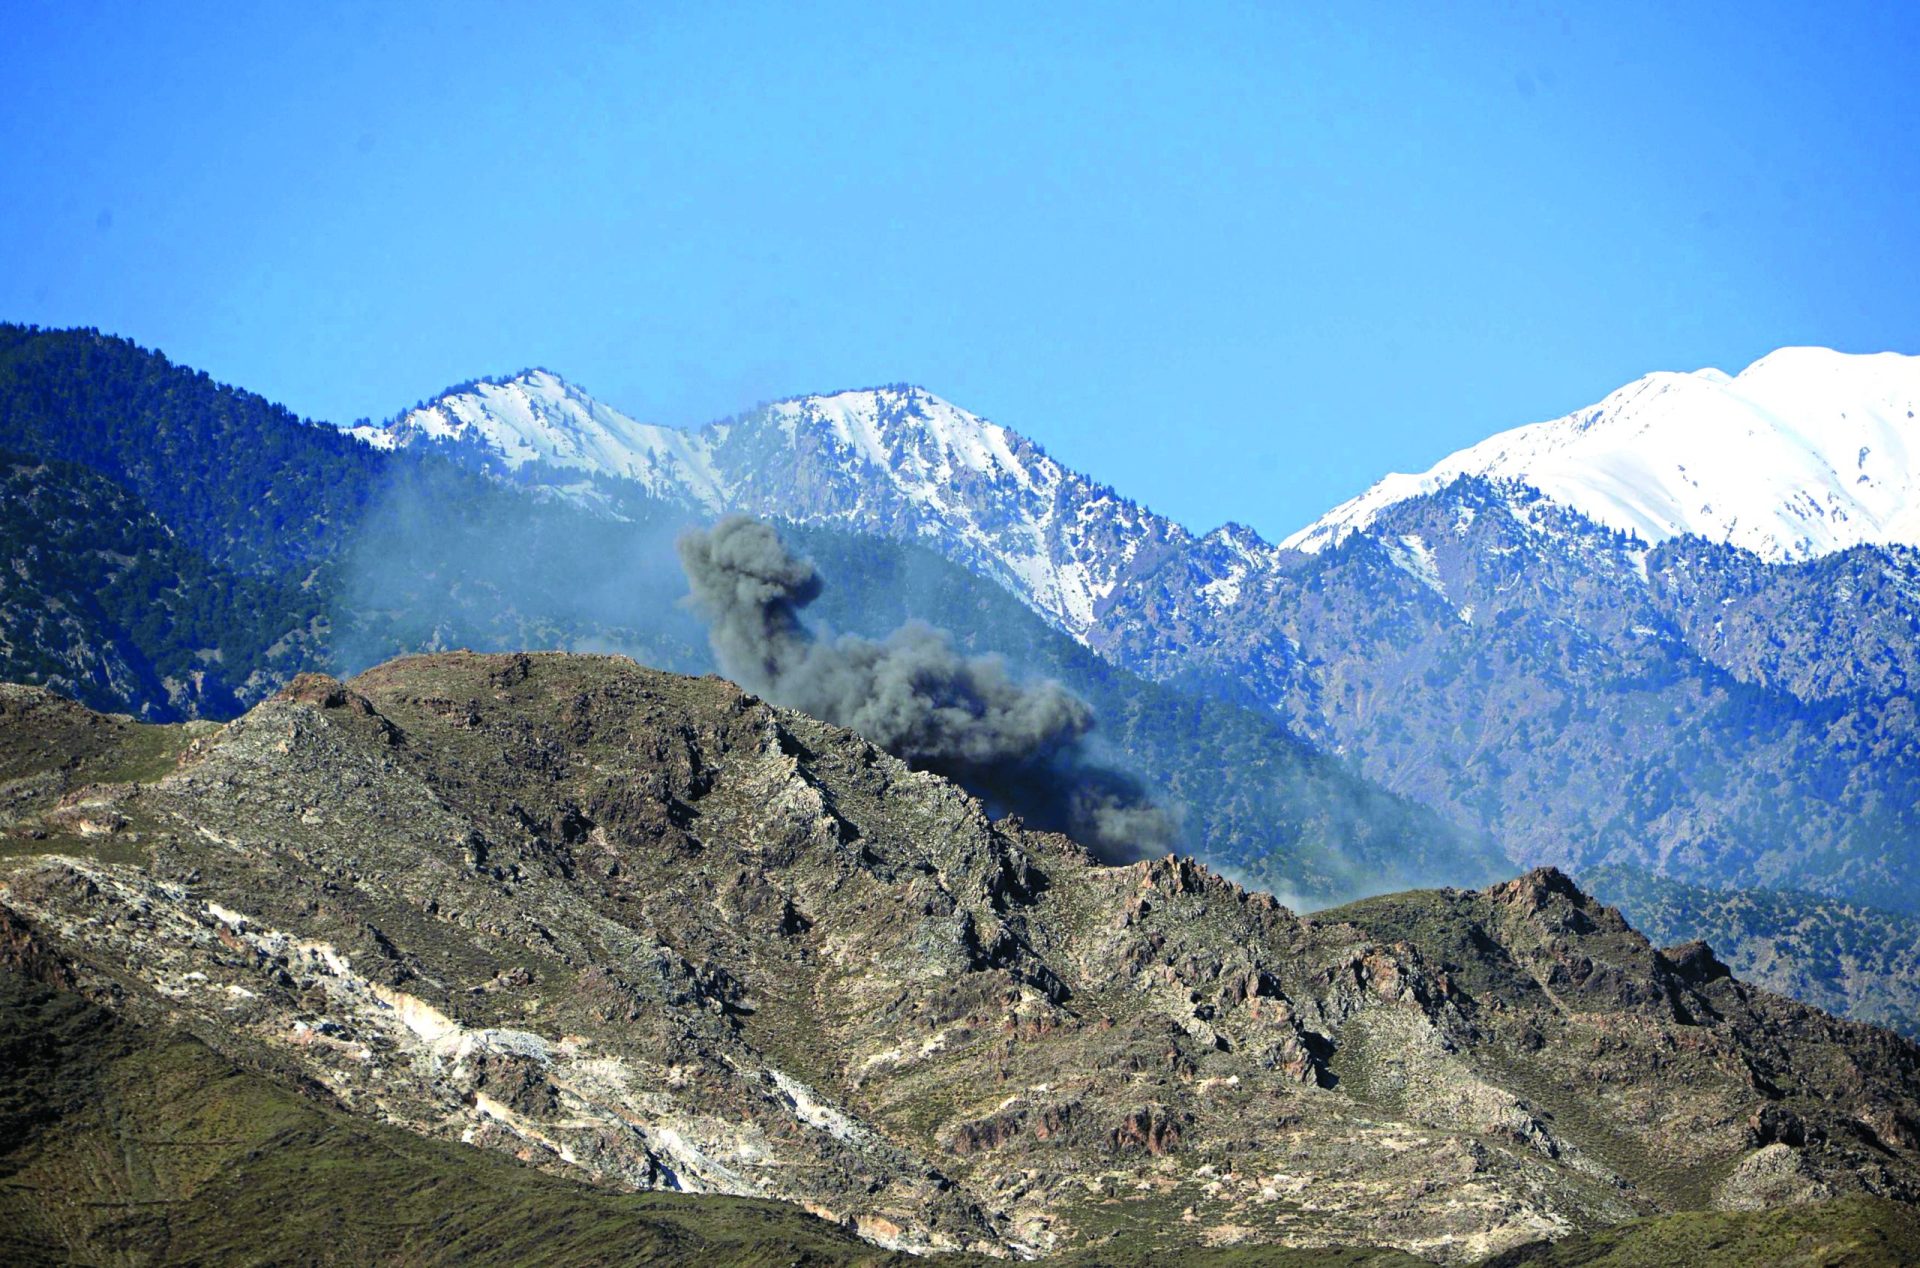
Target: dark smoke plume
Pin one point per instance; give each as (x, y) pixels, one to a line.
(1018, 746)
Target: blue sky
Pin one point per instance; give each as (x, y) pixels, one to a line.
(1239, 262)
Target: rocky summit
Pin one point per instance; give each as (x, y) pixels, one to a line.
(651, 933)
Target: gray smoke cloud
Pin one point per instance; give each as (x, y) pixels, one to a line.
(1017, 745)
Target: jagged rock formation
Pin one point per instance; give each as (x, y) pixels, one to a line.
(649, 931)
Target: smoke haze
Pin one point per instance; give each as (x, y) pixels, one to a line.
(444, 558)
(1020, 746)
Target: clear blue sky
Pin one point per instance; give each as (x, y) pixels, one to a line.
(1238, 262)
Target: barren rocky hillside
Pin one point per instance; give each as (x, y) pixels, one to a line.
(649, 932)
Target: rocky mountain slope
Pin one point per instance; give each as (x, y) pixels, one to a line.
(647, 931)
(190, 1157)
(1588, 700)
(123, 1143)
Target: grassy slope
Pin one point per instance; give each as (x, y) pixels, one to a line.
(1853, 1232)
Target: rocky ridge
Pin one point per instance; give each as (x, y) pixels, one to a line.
(651, 932)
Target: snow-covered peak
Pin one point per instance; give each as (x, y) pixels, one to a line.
(1238, 541)
(914, 434)
(897, 460)
(1805, 452)
(538, 417)
(915, 465)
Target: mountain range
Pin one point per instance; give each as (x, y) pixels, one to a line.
(386, 553)
(648, 932)
(1472, 672)
(1805, 453)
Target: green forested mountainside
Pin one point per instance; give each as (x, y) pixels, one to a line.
(1844, 626)
(1858, 961)
(238, 478)
(102, 601)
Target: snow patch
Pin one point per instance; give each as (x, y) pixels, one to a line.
(1224, 591)
(1411, 554)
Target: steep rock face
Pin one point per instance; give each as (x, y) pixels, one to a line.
(650, 931)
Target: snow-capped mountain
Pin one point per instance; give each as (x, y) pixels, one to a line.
(536, 417)
(897, 460)
(1805, 452)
